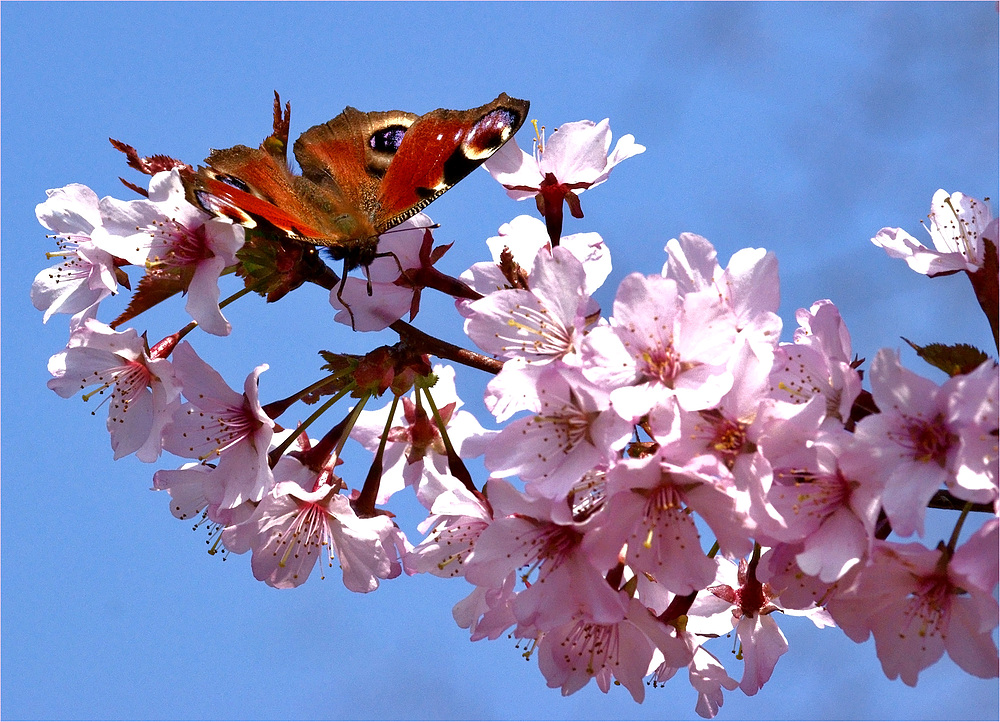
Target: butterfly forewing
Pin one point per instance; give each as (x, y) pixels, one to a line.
(439, 150)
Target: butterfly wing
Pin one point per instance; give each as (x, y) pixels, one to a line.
(351, 154)
(248, 185)
(391, 164)
(362, 173)
(440, 149)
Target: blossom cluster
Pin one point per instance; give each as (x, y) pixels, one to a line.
(664, 474)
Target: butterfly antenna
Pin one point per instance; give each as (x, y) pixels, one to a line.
(399, 229)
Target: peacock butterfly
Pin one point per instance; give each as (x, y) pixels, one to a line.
(362, 173)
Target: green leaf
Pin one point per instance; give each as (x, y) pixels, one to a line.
(960, 358)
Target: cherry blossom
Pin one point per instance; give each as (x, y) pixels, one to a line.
(192, 488)
(218, 422)
(663, 344)
(195, 493)
(748, 285)
(573, 431)
(830, 504)
(972, 406)
(957, 225)
(457, 519)
(818, 362)
(779, 568)
(571, 655)
(537, 534)
(531, 328)
(919, 440)
(574, 159)
(919, 603)
(486, 612)
(415, 454)
(174, 239)
(649, 512)
(87, 273)
(537, 325)
(294, 525)
(744, 431)
(144, 392)
(707, 675)
(523, 237)
(740, 601)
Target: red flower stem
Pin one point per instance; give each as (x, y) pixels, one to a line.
(277, 408)
(365, 503)
(455, 463)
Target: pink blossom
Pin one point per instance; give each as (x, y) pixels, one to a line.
(294, 525)
(531, 328)
(87, 273)
(539, 325)
(487, 612)
(919, 603)
(170, 236)
(740, 601)
(538, 535)
(575, 156)
(219, 422)
(663, 345)
(818, 362)
(780, 569)
(706, 674)
(571, 655)
(831, 504)
(922, 440)
(415, 454)
(744, 432)
(144, 393)
(524, 237)
(972, 407)
(457, 519)
(748, 285)
(957, 225)
(574, 159)
(195, 493)
(193, 490)
(573, 430)
(649, 512)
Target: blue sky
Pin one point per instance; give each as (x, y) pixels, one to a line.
(803, 128)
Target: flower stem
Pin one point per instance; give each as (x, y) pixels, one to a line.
(283, 446)
(953, 542)
(455, 463)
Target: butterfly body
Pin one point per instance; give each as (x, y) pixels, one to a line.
(362, 173)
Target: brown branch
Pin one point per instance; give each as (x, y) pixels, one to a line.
(442, 349)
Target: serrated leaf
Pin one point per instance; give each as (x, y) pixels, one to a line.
(154, 287)
(955, 359)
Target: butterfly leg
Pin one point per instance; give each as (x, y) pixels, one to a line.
(340, 294)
